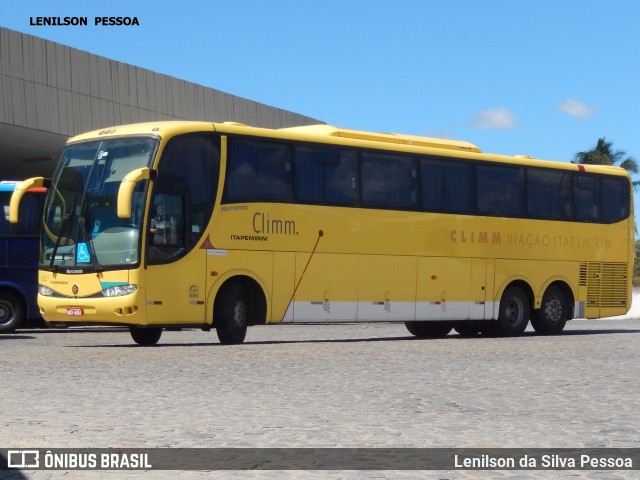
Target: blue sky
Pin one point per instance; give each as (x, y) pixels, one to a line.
(541, 78)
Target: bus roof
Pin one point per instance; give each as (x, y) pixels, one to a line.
(331, 134)
(385, 137)
(174, 127)
(160, 128)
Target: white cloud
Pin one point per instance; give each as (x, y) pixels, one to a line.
(497, 118)
(576, 109)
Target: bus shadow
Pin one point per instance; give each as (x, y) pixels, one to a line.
(597, 332)
(79, 330)
(14, 474)
(257, 342)
(410, 338)
(566, 333)
(450, 337)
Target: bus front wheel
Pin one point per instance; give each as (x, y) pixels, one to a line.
(231, 314)
(12, 312)
(514, 313)
(146, 337)
(553, 314)
(429, 329)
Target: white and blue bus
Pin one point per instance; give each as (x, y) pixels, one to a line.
(19, 251)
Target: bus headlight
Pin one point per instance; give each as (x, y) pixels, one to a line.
(119, 291)
(45, 291)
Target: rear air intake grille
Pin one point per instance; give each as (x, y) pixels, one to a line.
(606, 284)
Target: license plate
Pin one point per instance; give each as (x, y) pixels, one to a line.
(74, 312)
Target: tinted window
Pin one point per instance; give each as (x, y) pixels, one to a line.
(615, 199)
(549, 193)
(261, 170)
(326, 176)
(586, 198)
(183, 195)
(447, 186)
(389, 181)
(258, 171)
(500, 190)
(29, 216)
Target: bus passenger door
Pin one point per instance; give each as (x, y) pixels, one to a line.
(180, 211)
(175, 278)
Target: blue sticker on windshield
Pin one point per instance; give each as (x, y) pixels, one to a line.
(83, 253)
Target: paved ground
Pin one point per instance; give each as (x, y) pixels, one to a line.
(367, 385)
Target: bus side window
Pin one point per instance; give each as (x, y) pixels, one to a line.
(447, 186)
(186, 190)
(389, 181)
(544, 193)
(586, 198)
(166, 225)
(29, 216)
(500, 190)
(615, 199)
(326, 176)
(258, 171)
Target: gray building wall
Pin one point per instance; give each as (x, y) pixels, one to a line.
(54, 91)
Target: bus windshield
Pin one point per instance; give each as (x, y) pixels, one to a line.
(81, 227)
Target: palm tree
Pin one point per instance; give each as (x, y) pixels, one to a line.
(604, 154)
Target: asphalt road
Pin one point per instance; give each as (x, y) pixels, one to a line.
(369, 385)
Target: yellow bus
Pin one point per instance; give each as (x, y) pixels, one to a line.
(172, 225)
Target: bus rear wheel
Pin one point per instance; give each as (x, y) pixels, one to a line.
(146, 337)
(231, 314)
(429, 329)
(553, 314)
(12, 312)
(514, 312)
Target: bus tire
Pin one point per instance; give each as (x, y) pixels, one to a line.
(231, 314)
(145, 336)
(514, 312)
(429, 329)
(553, 314)
(12, 312)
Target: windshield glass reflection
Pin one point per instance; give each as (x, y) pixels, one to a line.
(81, 226)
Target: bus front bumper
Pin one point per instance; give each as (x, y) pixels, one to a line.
(124, 310)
